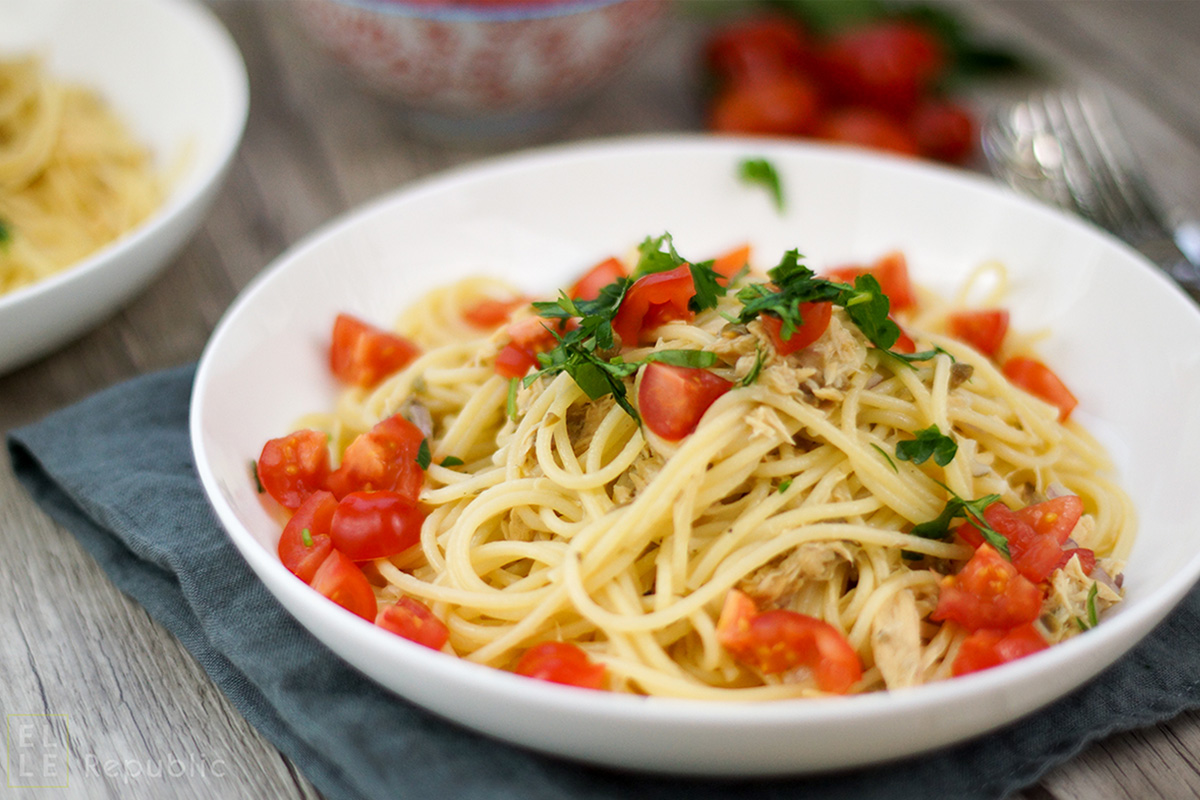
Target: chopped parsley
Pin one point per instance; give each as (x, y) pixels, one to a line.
(883, 453)
(424, 456)
(306, 537)
(254, 474)
(5, 232)
(784, 485)
(760, 172)
(971, 510)
(751, 376)
(930, 443)
(452, 461)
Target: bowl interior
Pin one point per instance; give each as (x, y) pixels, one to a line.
(541, 219)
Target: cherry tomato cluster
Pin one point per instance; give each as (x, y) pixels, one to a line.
(873, 85)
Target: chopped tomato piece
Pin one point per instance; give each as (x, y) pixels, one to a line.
(779, 640)
(990, 647)
(1055, 517)
(561, 662)
(514, 361)
(1039, 380)
(414, 621)
(588, 287)
(382, 459)
(653, 300)
(340, 579)
(672, 399)
(292, 467)
(989, 592)
(363, 355)
(305, 541)
(814, 320)
(369, 525)
(892, 273)
(983, 329)
(729, 264)
(532, 333)
(489, 313)
(1035, 534)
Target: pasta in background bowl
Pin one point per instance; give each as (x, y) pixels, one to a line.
(539, 220)
(170, 74)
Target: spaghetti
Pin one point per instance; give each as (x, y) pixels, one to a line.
(788, 545)
(72, 179)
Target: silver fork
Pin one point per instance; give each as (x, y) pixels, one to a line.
(1066, 148)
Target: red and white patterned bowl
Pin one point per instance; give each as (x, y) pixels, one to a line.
(502, 61)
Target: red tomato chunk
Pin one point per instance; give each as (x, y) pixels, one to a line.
(382, 459)
(340, 579)
(305, 542)
(368, 525)
(672, 399)
(561, 662)
(363, 355)
(990, 648)
(653, 300)
(414, 621)
(988, 593)
(1039, 380)
(292, 467)
(778, 641)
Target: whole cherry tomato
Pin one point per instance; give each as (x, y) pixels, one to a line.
(787, 104)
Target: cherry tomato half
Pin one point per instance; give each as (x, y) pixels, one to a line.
(814, 321)
(672, 399)
(414, 621)
(990, 648)
(305, 543)
(983, 329)
(340, 579)
(383, 458)
(892, 273)
(989, 592)
(779, 640)
(292, 467)
(363, 355)
(653, 300)
(369, 525)
(588, 287)
(1039, 380)
(561, 662)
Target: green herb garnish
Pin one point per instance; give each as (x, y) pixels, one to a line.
(761, 172)
(5, 233)
(972, 510)
(1093, 616)
(883, 453)
(424, 456)
(452, 461)
(254, 474)
(784, 485)
(930, 442)
(751, 376)
(306, 537)
(511, 405)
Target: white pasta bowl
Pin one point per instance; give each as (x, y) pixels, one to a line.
(172, 73)
(1116, 328)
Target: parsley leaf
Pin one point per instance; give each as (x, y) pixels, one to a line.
(763, 173)
(972, 510)
(424, 456)
(784, 485)
(930, 442)
(792, 283)
(5, 232)
(452, 461)
(883, 453)
(751, 376)
(254, 474)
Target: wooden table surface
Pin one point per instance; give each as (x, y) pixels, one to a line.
(136, 702)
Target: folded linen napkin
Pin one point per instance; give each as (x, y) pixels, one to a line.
(116, 470)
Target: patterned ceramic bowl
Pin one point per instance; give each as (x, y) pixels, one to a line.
(482, 65)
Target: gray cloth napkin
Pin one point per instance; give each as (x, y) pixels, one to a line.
(116, 470)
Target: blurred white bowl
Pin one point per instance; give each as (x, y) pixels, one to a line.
(174, 76)
(539, 219)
